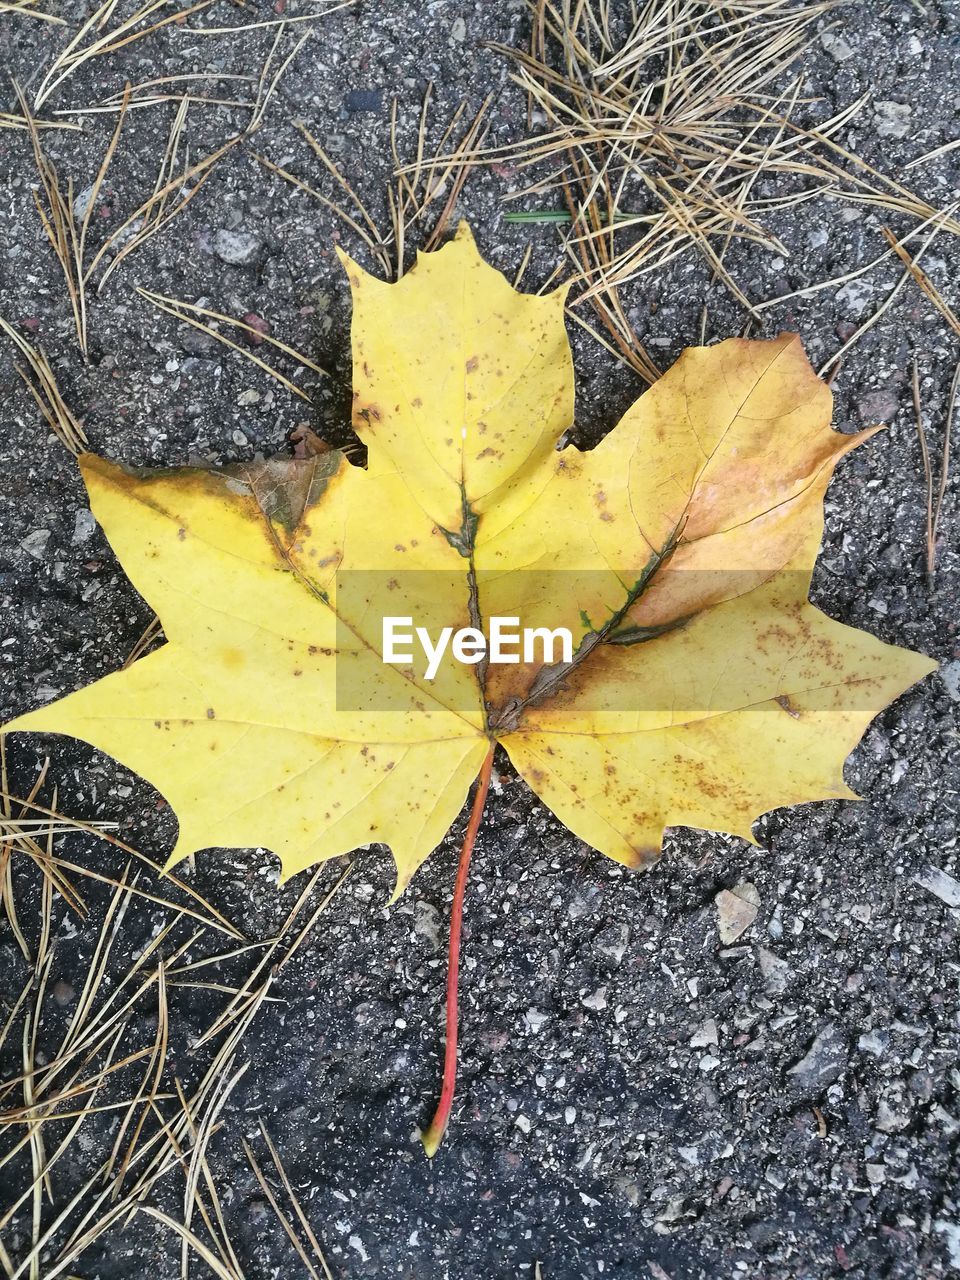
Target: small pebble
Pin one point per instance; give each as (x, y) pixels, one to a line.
(596, 1001)
(823, 1063)
(259, 326)
(535, 1018)
(890, 1121)
(736, 910)
(426, 925)
(35, 544)
(892, 119)
(705, 1036)
(776, 972)
(873, 1042)
(855, 297)
(836, 46)
(940, 884)
(951, 1234)
(64, 994)
(84, 526)
(238, 248)
(81, 203)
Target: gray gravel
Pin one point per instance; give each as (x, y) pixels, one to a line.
(637, 1097)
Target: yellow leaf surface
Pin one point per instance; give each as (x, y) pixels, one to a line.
(703, 689)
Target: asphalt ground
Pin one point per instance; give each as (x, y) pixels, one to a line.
(636, 1097)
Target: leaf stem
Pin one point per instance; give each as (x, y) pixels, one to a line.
(433, 1136)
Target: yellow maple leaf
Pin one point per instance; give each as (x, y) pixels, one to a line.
(702, 687)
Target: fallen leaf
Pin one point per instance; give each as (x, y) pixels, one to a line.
(703, 687)
(694, 523)
(306, 443)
